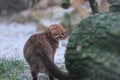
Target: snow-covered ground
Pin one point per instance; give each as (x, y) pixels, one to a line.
(13, 37)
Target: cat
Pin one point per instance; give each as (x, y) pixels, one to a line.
(39, 53)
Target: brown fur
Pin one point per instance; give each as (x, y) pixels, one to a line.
(39, 52)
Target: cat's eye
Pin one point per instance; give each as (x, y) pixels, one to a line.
(62, 33)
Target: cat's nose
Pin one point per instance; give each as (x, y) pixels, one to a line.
(66, 36)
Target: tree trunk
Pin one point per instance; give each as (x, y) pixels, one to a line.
(93, 6)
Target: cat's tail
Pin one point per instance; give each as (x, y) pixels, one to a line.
(53, 69)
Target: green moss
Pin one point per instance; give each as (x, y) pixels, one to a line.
(11, 69)
(115, 8)
(93, 50)
(114, 1)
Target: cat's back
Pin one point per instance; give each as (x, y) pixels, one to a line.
(36, 38)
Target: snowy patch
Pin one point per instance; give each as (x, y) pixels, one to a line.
(13, 37)
(47, 22)
(59, 56)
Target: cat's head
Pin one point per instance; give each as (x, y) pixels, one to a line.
(57, 32)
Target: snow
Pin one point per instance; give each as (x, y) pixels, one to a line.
(47, 22)
(59, 57)
(13, 37)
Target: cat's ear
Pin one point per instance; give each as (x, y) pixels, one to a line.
(53, 28)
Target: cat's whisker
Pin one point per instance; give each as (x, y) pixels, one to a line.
(57, 36)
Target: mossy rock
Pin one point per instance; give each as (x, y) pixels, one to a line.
(113, 1)
(93, 50)
(114, 5)
(115, 8)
